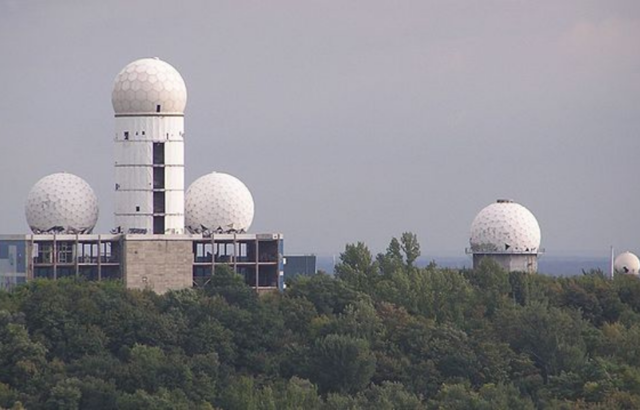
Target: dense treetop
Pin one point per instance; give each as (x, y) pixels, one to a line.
(381, 334)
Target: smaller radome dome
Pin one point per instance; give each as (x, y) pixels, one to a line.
(628, 263)
(218, 202)
(505, 227)
(149, 86)
(61, 203)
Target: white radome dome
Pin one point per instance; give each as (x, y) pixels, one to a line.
(627, 262)
(149, 86)
(505, 227)
(218, 202)
(61, 203)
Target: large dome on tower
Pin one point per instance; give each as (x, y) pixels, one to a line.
(61, 203)
(149, 86)
(505, 227)
(218, 202)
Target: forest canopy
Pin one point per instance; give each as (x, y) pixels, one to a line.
(381, 333)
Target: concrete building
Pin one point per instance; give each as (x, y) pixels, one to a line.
(150, 246)
(509, 234)
(299, 265)
(156, 262)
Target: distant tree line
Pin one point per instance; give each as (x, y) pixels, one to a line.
(381, 334)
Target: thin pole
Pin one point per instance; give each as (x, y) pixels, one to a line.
(611, 263)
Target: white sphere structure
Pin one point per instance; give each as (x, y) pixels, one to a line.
(149, 86)
(505, 227)
(61, 203)
(627, 262)
(218, 202)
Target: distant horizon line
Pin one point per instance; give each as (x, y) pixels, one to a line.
(451, 255)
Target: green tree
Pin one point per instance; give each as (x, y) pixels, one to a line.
(329, 296)
(298, 394)
(389, 396)
(239, 394)
(341, 363)
(232, 287)
(400, 255)
(392, 261)
(22, 361)
(359, 320)
(489, 397)
(492, 283)
(410, 247)
(161, 400)
(357, 267)
(551, 336)
(65, 395)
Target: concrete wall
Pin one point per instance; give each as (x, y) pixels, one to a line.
(511, 262)
(157, 264)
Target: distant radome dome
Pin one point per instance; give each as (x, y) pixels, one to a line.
(149, 86)
(61, 203)
(627, 262)
(505, 227)
(218, 202)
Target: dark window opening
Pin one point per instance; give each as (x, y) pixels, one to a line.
(201, 275)
(249, 274)
(109, 252)
(158, 153)
(110, 272)
(65, 272)
(158, 225)
(137, 209)
(89, 272)
(126, 135)
(158, 108)
(142, 132)
(158, 178)
(268, 251)
(43, 272)
(158, 202)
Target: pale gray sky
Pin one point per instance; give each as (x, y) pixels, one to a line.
(349, 120)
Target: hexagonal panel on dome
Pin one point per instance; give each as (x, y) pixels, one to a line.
(218, 202)
(61, 203)
(132, 89)
(505, 227)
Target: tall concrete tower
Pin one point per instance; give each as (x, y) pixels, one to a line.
(149, 97)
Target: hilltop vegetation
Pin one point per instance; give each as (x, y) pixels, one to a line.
(381, 334)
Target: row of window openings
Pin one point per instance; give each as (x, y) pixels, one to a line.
(267, 275)
(67, 252)
(126, 134)
(240, 252)
(87, 272)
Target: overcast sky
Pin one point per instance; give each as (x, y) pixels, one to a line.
(349, 120)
